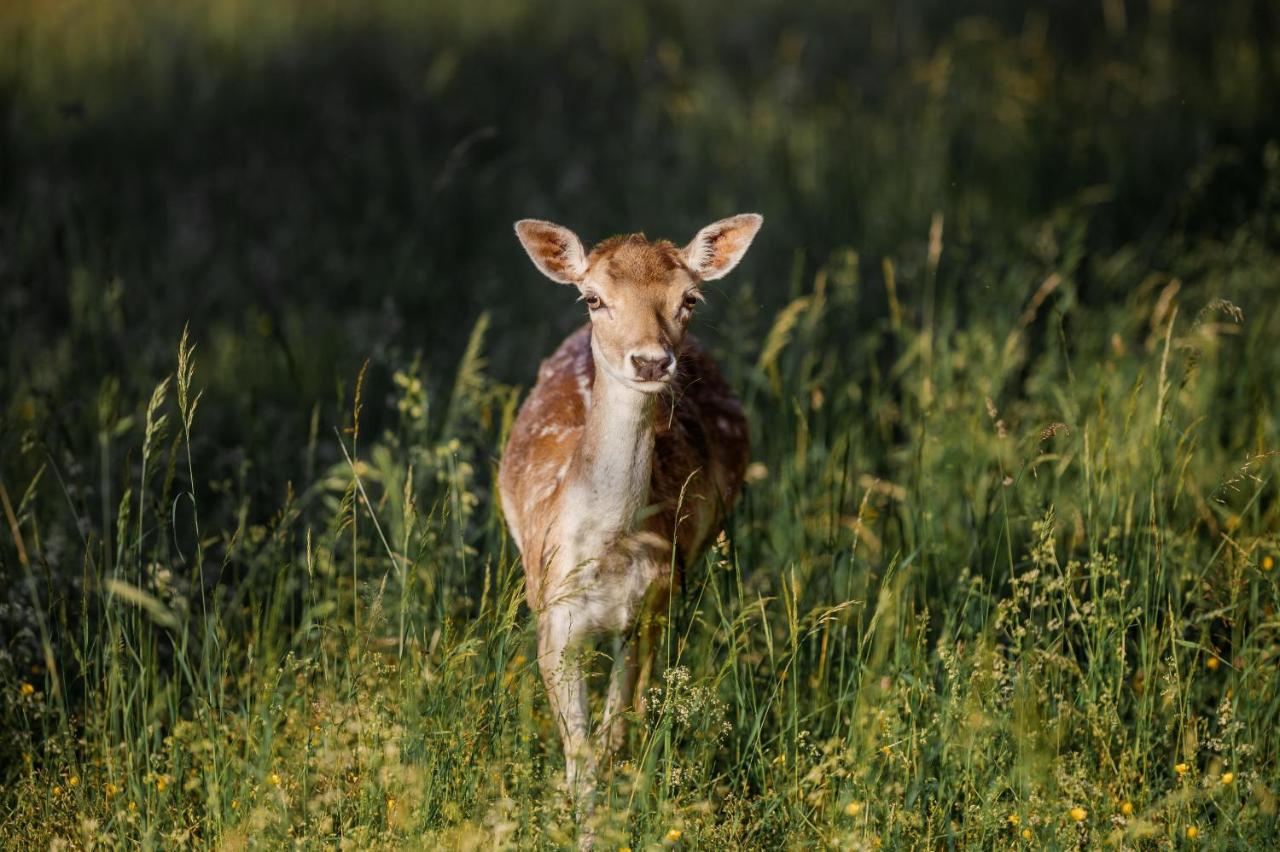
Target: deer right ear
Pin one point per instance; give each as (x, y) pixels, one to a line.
(555, 250)
(717, 248)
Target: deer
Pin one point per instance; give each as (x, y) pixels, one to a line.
(620, 466)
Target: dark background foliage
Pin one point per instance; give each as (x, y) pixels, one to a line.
(322, 192)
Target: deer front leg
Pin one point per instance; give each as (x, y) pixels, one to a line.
(559, 659)
(622, 683)
(649, 646)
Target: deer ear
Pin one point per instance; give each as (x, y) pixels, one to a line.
(555, 250)
(717, 248)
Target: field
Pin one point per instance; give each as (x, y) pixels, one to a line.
(1004, 574)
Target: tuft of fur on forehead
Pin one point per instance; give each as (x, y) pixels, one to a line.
(631, 257)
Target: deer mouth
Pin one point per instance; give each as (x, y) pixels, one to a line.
(651, 385)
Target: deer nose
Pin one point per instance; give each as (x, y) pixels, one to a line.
(652, 369)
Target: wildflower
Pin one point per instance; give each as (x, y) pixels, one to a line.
(133, 806)
(235, 804)
(1192, 832)
(391, 806)
(1211, 663)
(74, 780)
(1268, 563)
(624, 849)
(852, 808)
(1026, 834)
(161, 784)
(1181, 769)
(1228, 777)
(26, 688)
(1078, 813)
(57, 791)
(110, 789)
(673, 835)
(274, 779)
(1127, 809)
(1014, 819)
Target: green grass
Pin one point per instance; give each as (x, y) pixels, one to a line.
(1005, 571)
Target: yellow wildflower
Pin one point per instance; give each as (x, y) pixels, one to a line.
(1127, 809)
(161, 784)
(852, 808)
(1026, 834)
(110, 789)
(1211, 663)
(1192, 832)
(73, 781)
(673, 835)
(1268, 563)
(26, 688)
(133, 806)
(1078, 813)
(274, 779)
(1181, 769)
(57, 791)
(1228, 777)
(1014, 819)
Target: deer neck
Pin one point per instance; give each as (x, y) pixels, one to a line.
(614, 461)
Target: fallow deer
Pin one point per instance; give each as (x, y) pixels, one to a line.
(621, 463)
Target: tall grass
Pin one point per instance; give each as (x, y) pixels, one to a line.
(1043, 610)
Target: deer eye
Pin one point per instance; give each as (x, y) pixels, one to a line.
(593, 301)
(690, 301)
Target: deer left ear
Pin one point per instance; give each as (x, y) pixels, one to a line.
(717, 248)
(554, 249)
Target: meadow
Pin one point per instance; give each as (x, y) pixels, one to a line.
(1004, 574)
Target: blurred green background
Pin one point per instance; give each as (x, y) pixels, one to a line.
(311, 184)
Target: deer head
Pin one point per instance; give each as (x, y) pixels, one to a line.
(640, 294)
